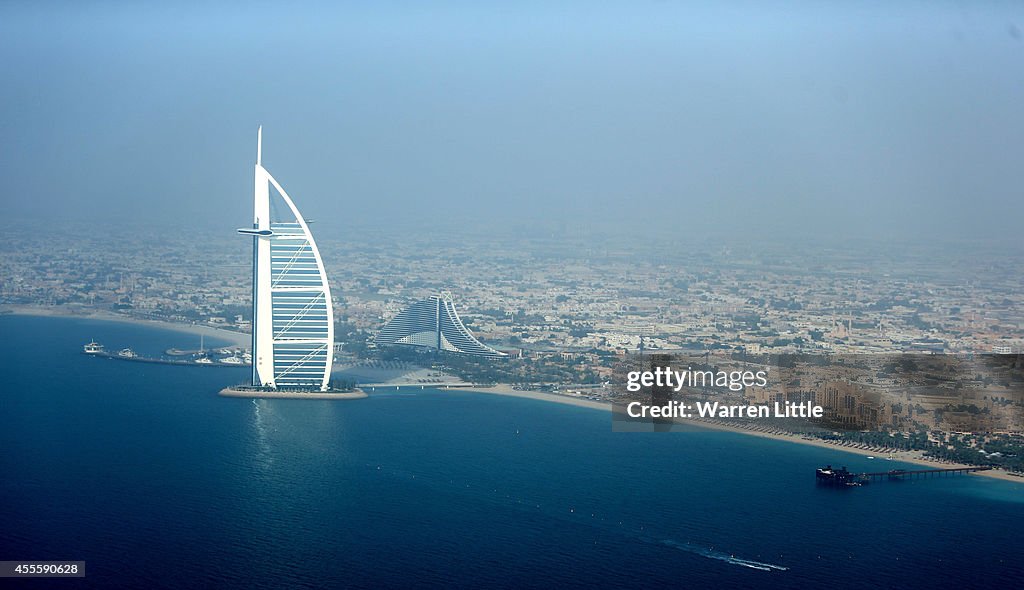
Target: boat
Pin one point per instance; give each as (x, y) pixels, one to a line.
(92, 348)
(126, 353)
(841, 477)
(202, 357)
(231, 360)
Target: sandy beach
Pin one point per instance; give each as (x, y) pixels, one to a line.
(914, 457)
(234, 338)
(240, 339)
(506, 390)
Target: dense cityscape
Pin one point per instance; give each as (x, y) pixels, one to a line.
(558, 293)
(572, 307)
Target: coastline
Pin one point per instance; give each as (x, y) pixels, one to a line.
(506, 390)
(235, 338)
(241, 339)
(914, 457)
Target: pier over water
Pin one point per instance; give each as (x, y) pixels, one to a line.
(843, 478)
(915, 473)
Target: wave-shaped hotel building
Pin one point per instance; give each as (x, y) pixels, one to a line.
(434, 323)
(293, 319)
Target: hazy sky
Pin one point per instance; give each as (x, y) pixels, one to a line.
(829, 118)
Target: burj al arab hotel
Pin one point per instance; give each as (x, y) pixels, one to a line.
(293, 319)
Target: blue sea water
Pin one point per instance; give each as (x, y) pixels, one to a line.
(145, 473)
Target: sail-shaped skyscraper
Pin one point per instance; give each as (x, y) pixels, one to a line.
(293, 319)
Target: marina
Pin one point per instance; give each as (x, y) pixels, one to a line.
(200, 358)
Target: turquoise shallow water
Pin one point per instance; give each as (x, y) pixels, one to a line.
(155, 481)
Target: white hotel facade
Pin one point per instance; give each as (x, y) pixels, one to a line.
(293, 319)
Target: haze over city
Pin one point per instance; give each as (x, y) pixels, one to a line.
(781, 120)
(485, 249)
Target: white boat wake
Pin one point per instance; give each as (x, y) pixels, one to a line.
(712, 554)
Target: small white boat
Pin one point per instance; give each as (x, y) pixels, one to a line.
(231, 360)
(92, 348)
(204, 360)
(126, 353)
